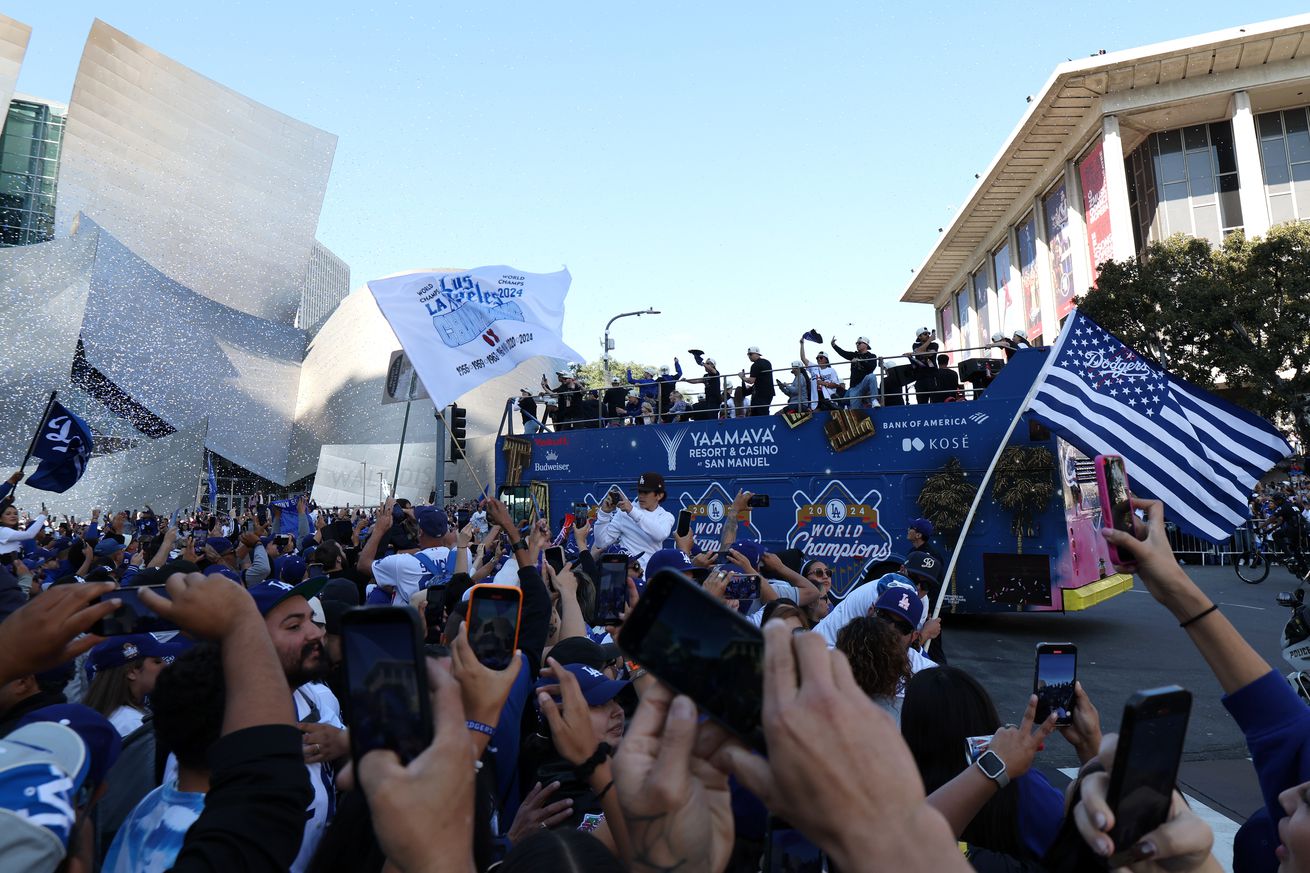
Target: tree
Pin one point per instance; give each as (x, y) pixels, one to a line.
(593, 374)
(1240, 312)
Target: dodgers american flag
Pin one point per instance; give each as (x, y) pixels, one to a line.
(1199, 454)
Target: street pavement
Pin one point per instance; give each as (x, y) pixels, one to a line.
(1129, 643)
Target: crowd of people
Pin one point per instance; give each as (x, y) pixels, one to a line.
(654, 398)
(224, 746)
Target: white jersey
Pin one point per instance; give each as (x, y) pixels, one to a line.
(316, 702)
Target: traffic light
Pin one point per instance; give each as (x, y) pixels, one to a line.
(458, 427)
(452, 488)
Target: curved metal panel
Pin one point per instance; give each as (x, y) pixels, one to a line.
(220, 193)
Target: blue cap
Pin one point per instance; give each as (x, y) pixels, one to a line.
(107, 547)
(43, 767)
(906, 604)
(269, 594)
(432, 520)
(752, 550)
(100, 737)
(117, 651)
(923, 526)
(293, 569)
(895, 580)
(221, 545)
(597, 688)
(667, 559)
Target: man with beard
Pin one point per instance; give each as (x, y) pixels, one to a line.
(299, 644)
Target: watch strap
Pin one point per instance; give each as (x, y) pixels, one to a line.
(521, 545)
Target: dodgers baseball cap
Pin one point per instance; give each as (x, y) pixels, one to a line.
(117, 651)
(220, 545)
(898, 601)
(269, 594)
(293, 569)
(99, 737)
(753, 350)
(895, 580)
(923, 526)
(432, 521)
(107, 547)
(597, 688)
(650, 482)
(667, 559)
(43, 767)
(584, 651)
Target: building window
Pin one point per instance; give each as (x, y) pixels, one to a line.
(1025, 238)
(1285, 157)
(962, 316)
(29, 164)
(1184, 181)
(982, 312)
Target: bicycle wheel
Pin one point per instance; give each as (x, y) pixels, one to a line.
(1252, 568)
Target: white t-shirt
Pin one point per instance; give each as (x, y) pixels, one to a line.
(403, 573)
(827, 374)
(321, 777)
(637, 532)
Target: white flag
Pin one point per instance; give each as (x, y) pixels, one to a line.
(461, 329)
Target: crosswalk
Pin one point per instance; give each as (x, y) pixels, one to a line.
(1225, 829)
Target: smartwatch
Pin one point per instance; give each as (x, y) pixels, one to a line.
(993, 768)
(522, 545)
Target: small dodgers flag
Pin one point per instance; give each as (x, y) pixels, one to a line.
(1199, 454)
(63, 446)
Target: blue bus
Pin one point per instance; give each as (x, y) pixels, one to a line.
(843, 486)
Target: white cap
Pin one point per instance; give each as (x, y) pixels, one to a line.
(711, 361)
(664, 369)
(863, 339)
(796, 364)
(923, 330)
(997, 337)
(1020, 334)
(614, 380)
(753, 350)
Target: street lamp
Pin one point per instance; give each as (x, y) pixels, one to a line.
(608, 344)
(363, 485)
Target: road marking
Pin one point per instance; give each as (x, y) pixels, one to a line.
(1242, 606)
(1225, 829)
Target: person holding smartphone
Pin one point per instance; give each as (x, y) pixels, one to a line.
(637, 530)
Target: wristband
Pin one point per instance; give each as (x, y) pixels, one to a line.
(604, 790)
(480, 727)
(584, 770)
(521, 545)
(1200, 615)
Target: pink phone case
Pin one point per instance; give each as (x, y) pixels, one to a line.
(1107, 515)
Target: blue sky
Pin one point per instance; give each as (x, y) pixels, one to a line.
(752, 170)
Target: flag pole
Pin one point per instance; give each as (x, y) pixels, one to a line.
(36, 436)
(1051, 355)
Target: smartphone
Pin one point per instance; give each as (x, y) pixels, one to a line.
(696, 645)
(387, 700)
(1146, 765)
(758, 500)
(684, 522)
(555, 557)
(743, 587)
(1116, 502)
(612, 590)
(313, 571)
(1054, 670)
(493, 623)
(133, 616)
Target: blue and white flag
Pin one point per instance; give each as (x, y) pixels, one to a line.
(461, 329)
(1199, 454)
(213, 482)
(63, 446)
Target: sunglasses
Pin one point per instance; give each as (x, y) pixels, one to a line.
(902, 626)
(820, 571)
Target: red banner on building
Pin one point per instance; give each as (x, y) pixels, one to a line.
(1096, 207)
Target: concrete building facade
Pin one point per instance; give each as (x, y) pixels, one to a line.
(1201, 136)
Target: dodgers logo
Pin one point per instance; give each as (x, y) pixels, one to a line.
(836, 525)
(709, 512)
